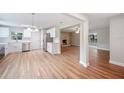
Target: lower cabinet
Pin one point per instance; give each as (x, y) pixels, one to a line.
(14, 47)
(50, 48)
(26, 46)
(53, 48)
(3, 50)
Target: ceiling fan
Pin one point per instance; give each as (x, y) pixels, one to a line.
(77, 30)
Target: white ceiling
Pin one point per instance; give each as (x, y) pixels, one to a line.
(96, 20)
(44, 20)
(70, 29)
(99, 20)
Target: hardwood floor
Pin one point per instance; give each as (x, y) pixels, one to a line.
(42, 65)
(1, 56)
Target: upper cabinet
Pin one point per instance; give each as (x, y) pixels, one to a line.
(52, 32)
(27, 33)
(4, 32)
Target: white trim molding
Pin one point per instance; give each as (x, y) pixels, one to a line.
(84, 64)
(93, 46)
(117, 63)
(84, 31)
(103, 49)
(106, 49)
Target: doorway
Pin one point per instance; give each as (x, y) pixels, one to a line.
(70, 42)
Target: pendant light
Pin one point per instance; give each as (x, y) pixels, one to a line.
(29, 29)
(33, 28)
(36, 30)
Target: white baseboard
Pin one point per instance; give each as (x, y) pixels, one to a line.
(99, 48)
(117, 63)
(93, 46)
(85, 65)
(103, 49)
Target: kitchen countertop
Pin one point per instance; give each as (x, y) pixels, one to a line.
(26, 41)
(3, 43)
(20, 42)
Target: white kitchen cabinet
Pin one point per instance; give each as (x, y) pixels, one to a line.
(4, 48)
(55, 48)
(26, 46)
(4, 32)
(15, 47)
(52, 32)
(52, 48)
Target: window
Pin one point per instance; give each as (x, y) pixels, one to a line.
(19, 36)
(16, 36)
(93, 39)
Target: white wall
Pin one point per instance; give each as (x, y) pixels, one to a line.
(35, 37)
(75, 39)
(103, 35)
(4, 32)
(11, 29)
(71, 37)
(42, 38)
(117, 40)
